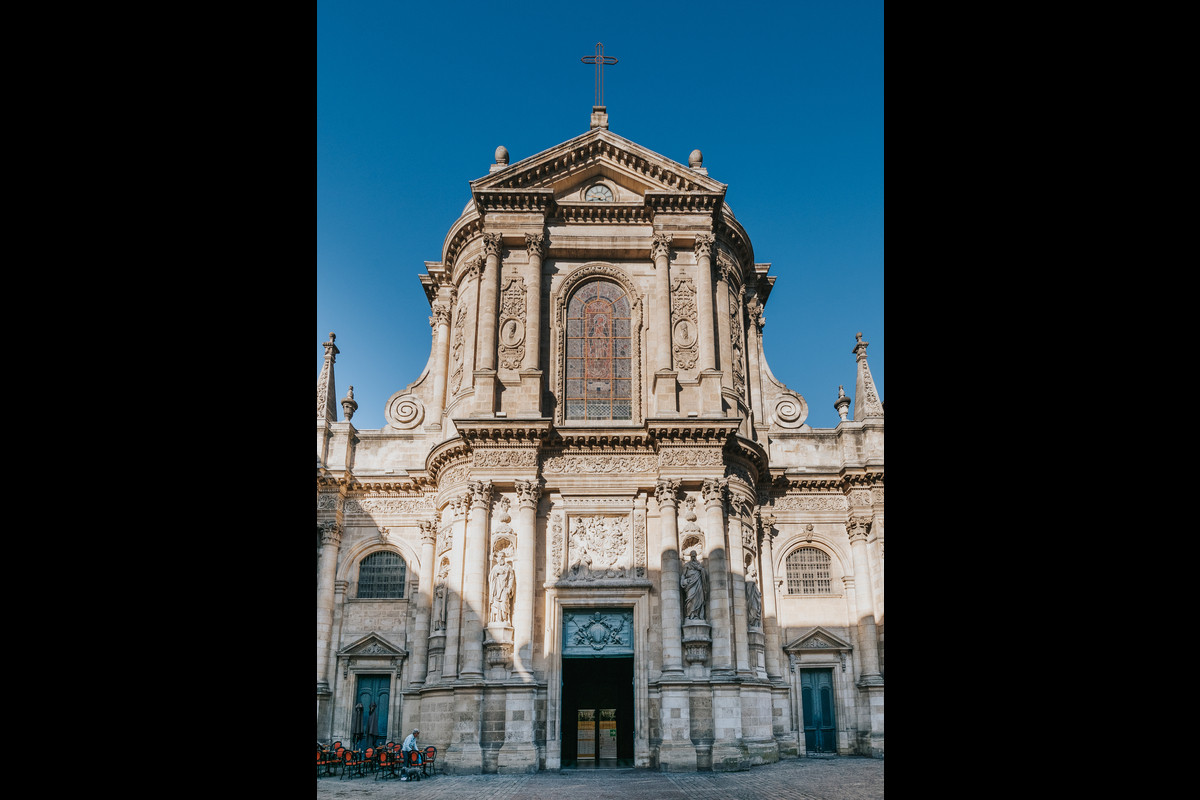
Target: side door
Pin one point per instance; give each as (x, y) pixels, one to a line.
(375, 689)
(816, 700)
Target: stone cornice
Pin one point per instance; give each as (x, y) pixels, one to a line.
(409, 485)
(503, 431)
(692, 431)
(540, 201)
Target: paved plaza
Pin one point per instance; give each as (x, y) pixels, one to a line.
(842, 778)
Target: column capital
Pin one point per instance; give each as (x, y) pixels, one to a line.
(428, 531)
(481, 494)
(660, 246)
(528, 493)
(666, 492)
(331, 533)
(714, 492)
(704, 243)
(858, 528)
(491, 244)
(535, 244)
(440, 313)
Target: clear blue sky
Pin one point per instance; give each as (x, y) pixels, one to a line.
(785, 100)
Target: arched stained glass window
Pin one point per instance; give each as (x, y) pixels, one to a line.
(381, 576)
(599, 369)
(808, 571)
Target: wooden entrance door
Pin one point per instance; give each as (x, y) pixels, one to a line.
(817, 702)
(374, 689)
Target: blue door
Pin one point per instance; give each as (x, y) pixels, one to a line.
(816, 700)
(374, 689)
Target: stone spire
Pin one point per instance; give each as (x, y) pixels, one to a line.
(326, 394)
(866, 400)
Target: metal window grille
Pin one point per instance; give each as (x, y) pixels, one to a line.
(808, 571)
(599, 361)
(381, 575)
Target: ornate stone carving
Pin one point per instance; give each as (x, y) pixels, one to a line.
(556, 543)
(502, 582)
(380, 506)
(460, 338)
(858, 528)
(327, 501)
(505, 458)
(491, 244)
(428, 532)
(639, 544)
(704, 244)
(753, 598)
(754, 311)
(860, 497)
(826, 502)
(599, 631)
(790, 410)
(694, 585)
(737, 337)
(481, 494)
(713, 490)
(512, 323)
(598, 547)
(606, 464)
(404, 411)
(535, 244)
(660, 245)
(438, 619)
(453, 475)
(527, 493)
(331, 533)
(685, 338)
(691, 538)
(690, 457)
(666, 492)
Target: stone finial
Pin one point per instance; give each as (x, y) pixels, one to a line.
(501, 159)
(866, 401)
(842, 404)
(696, 162)
(326, 406)
(349, 404)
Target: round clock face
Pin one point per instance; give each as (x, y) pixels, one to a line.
(599, 192)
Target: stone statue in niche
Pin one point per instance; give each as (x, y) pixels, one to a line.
(753, 599)
(439, 599)
(502, 583)
(694, 583)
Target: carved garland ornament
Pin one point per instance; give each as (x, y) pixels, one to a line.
(684, 330)
(599, 464)
(512, 323)
(460, 324)
(505, 458)
(689, 457)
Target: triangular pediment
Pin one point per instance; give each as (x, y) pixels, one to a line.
(818, 639)
(563, 172)
(372, 645)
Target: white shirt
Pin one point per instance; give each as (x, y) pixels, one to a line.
(410, 743)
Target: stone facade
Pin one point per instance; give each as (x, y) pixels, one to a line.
(597, 461)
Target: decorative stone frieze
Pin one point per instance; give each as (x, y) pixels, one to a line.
(505, 458)
(689, 457)
(388, 506)
(599, 464)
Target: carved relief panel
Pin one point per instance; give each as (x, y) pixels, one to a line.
(683, 323)
(599, 547)
(512, 323)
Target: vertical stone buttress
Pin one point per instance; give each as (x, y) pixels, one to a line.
(424, 602)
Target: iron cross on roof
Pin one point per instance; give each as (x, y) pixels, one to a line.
(599, 60)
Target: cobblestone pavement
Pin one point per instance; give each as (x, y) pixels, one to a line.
(843, 778)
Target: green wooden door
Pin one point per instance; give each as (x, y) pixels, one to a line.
(816, 700)
(374, 689)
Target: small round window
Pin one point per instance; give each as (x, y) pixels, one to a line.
(598, 193)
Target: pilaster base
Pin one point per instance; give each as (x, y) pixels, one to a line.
(730, 756)
(677, 757)
(710, 398)
(517, 758)
(666, 394)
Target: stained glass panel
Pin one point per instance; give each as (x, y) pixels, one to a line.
(598, 349)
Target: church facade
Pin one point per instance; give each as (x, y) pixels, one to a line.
(596, 529)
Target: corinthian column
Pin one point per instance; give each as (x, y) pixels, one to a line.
(718, 575)
(424, 601)
(440, 321)
(331, 539)
(857, 529)
(489, 302)
(535, 245)
(474, 567)
(526, 527)
(704, 299)
(667, 494)
(770, 615)
(454, 590)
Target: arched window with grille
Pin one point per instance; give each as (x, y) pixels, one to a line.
(599, 383)
(808, 571)
(381, 576)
